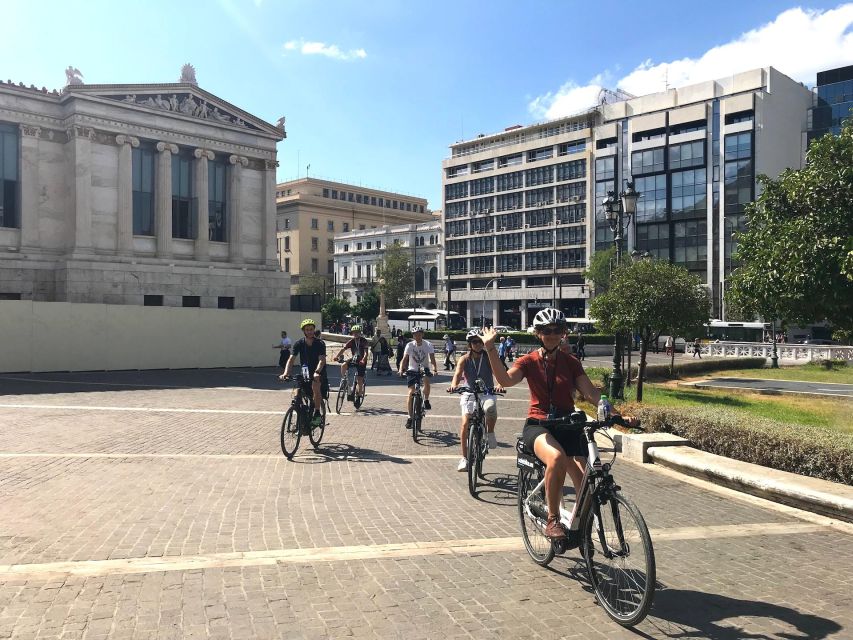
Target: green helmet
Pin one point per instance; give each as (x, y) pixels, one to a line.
(355, 327)
(306, 322)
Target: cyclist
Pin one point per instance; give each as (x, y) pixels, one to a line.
(312, 356)
(473, 365)
(359, 347)
(552, 377)
(418, 353)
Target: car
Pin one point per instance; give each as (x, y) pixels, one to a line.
(502, 328)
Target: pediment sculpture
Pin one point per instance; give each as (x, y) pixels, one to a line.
(187, 104)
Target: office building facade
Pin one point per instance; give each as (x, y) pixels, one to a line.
(833, 101)
(311, 211)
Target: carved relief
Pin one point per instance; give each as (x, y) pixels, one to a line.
(76, 131)
(186, 104)
(243, 161)
(270, 165)
(30, 131)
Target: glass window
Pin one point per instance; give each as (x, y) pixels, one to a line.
(373, 200)
(455, 191)
(538, 260)
(9, 204)
(481, 186)
(216, 203)
(689, 154)
(315, 224)
(346, 226)
(325, 193)
(648, 161)
(361, 227)
(508, 161)
(330, 225)
(689, 193)
(540, 154)
(573, 170)
(540, 175)
(572, 147)
(739, 184)
(190, 301)
(369, 245)
(690, 243)
(330, 246)
(652, 203)
(654, 238)
(738, 146)
(142, 161)
(315, 265)
(315, 244)
(379, 244)
(225, 302)
(335, 194)
(183, 202)
(330, 267)
(287, 265)
(605, 168)
(287, 243)
(507, 181)
(152, 301)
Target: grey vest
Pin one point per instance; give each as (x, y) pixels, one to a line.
(485, 371)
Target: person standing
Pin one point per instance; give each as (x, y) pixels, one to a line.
(401, 346)
(510, 349)
(697, 348)
(502, 351)
(283, 350)
(449, 350)
(581, 347)
(669, 345)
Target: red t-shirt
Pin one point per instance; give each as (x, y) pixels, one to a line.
(359, 348)
(533, 367)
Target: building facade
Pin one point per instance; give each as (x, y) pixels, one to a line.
(311, 211)
(522, 208)
(833, 100)
(359, 253)
(154, 194)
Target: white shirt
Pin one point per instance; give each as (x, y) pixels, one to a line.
(418, 355)
(285, 343)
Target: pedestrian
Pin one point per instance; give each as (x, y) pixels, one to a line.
(376, 349)
(697, 348)
(401, 347)
(669, 345)
(283, 347)
(581, 346)
(510, 349)
(502, 351)
(449, 351)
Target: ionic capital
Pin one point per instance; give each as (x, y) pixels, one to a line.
(122, 139)
(270, 165)
(164, 147)
(29, 130)
(243, 161)
(204, 153)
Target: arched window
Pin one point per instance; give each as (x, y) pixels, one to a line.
(433, 278)
(419, 279)
(432, 239)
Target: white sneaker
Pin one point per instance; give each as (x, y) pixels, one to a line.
(463, 465)
(493, 441)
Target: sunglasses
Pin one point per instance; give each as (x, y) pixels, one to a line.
(547, 331)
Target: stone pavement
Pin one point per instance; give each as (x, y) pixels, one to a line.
(158, 505)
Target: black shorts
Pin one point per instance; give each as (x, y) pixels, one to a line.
(359, 368)
(572, 440)
(412, 377)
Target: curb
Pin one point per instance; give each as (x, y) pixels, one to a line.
(810, 494)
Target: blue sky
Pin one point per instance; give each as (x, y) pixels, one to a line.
(374, 92)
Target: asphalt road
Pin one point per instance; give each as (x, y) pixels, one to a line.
(779, 386)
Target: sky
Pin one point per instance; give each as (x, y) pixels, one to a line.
(375, 92)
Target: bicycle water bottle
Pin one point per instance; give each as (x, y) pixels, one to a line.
(603, 408)
(305, 372)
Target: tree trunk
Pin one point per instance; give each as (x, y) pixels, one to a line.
(672, 360)
(644, 347)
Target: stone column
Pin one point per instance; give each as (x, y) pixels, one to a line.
(269, 212)
(524, 321)
(202, 236)
(235, 240)
(163, 217)
(124, 223)
(80, 183)
(29, 187)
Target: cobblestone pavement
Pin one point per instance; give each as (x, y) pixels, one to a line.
(158, 505)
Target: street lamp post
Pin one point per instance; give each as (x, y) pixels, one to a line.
(483, 306)
(618, 212)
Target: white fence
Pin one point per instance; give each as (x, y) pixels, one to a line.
(801, 352)
(66, 336)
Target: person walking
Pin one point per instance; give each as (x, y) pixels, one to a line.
(510, 349)
(669, 345)
(502, 351)
(283, 347)
(697, 348)
(401, 347)
(581, 347)
(449, 351)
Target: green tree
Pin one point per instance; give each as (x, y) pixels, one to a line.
(652, 296)
(312, 283)
(599, 269)
(335, 310)
(796, 256)
(368, 308)
(395, 272)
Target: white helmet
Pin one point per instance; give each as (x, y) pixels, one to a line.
(417, 328)
(446, 336)
(474, 333)
(549, 316)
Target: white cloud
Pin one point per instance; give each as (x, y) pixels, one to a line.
(333, 51)
(799, 42)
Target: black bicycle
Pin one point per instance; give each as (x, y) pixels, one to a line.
(349, 388)
(609, 529)
(478, 446)
(417, 405)
(298, 420)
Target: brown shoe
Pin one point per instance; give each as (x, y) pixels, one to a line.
(554, 530)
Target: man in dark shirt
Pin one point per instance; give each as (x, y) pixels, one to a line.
(312, 356)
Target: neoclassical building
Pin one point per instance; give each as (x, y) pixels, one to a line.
(155, 194)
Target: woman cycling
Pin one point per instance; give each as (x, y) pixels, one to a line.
(552, 376)
(474, 365)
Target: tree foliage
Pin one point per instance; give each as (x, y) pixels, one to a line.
(395, 272)
(599, 269)
(312, 283)
(796, 257)
(652, 297)
(368, 308)
(335, 310)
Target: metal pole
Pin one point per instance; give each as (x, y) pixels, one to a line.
(774, 359)
(554, 279)
(616, 373)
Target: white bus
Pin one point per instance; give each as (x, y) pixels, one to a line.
(429, 319)
(737, 331)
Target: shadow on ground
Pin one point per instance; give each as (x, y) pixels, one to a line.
(337, 452)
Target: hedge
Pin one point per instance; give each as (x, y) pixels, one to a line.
(682, 369)
(806, 450)
(521, 337)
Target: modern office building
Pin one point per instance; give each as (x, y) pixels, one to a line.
(522, 208)
(139, 194)
(311, 211)
(833, 101)
(358, 254)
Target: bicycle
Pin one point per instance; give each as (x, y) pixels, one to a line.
(616, 535)
(417, 405)
(302, 409)
(349, 388)
(478, 446)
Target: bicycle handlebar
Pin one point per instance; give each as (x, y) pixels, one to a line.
(461, 390)
(574, 420)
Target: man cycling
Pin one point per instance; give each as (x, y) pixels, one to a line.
(418, 353)
(359, 347)
(474, 365)
(312, 357)
(552, 376)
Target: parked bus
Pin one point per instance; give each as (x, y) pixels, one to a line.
(737, 331)
(429, 319)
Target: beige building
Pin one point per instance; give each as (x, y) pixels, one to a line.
(312, 211)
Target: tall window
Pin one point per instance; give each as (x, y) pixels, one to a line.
(216, 201)
(8, 176)
(143, 190)
(183, 203)
(315, 265)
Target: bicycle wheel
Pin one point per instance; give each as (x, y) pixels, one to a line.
(342, 395)
(358, 399)
(620, 559)
(290, 433)
(475, 436)
(315, 434)
(417, 412)
(538, 546)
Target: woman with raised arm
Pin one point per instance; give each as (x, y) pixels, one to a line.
(553, 376)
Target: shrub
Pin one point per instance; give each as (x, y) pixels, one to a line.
(661, 371)
(521, 337)
(809, 451)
